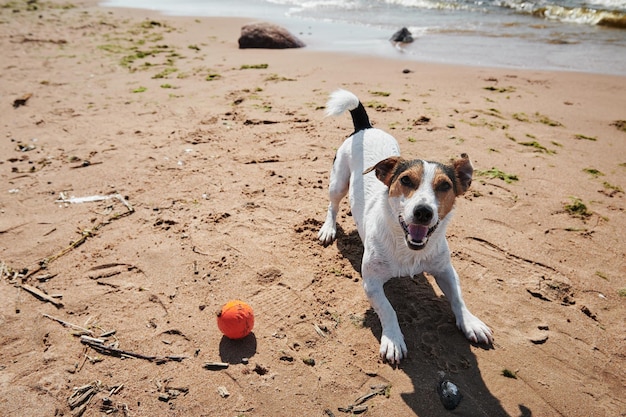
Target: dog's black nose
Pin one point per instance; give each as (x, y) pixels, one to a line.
(422, 214)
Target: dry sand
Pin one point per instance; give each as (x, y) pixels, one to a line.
(223, 156)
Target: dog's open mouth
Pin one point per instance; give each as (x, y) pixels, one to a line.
(416, 235)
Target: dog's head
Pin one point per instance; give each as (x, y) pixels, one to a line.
(422, 193)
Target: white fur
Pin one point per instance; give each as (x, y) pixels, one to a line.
(386, 254)
(341, 101)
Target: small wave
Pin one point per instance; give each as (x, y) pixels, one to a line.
(613, 22)
(429, 4)
(582, 15)
(318, 4)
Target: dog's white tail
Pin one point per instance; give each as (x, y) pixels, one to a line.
(341, 101)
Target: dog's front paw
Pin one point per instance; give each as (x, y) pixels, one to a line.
(392, 348)
(327, 233)
(475, 330)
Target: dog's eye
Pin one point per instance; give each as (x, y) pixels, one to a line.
(406, 181)
(443, 186)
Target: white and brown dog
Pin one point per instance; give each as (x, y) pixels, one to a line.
(401, 216)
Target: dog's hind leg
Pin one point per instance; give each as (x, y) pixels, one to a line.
(337, 189)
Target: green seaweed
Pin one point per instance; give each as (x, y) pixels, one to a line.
(165, 73)
(522, 117)
(357, 321)
(509, 374)
(265, 107)
(137, 54)
(615, 188)
(377, 105)
(34, 5)
(493, 112)
(546, 120)
(496, 173)
(538, 147)
(277, 78)
(584, 137)
(491, 125)
(576, 208)
(113, 48)
(593, 172)
(254, 66)
(509, 89)
(602, 275)
(149, 24)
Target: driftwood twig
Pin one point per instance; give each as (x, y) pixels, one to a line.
(86, 233)
(109, 350)
(42, 295)
(68, 324)
(357, 406)
(213, 366)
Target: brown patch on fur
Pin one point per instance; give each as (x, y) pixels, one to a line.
(463, 170)
(385, 169)
(446, 198)
(414, 173)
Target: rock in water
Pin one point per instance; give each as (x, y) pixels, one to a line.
(267, 36)
(449, 394)
(403, 35)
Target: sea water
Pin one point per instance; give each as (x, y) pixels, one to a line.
(569, 35)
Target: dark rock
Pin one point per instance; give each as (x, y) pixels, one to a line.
(267, 36)
(449, 394)
(403, 35)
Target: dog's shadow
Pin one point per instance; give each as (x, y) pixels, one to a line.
(437, 349)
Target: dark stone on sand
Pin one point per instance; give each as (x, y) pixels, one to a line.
(403, 35)
(267, 36)
(449, 394)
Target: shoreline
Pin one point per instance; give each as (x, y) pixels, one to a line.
(387, 52)
(468, 50)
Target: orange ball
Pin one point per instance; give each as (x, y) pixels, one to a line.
(236, 319)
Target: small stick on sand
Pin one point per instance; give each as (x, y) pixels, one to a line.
(108, 350)
(18, 300)
(42, 295)
(92, 339)
(213, 366)
(68, 324)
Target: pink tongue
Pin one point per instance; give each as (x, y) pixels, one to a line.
(417, 232)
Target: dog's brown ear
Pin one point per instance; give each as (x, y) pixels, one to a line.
(463, 169)
(385, 169)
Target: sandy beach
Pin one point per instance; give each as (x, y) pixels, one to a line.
(151, 171)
